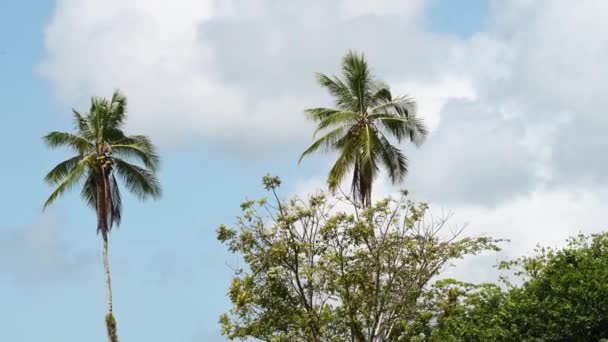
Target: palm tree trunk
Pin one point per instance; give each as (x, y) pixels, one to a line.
(362, 185)
(102, 201)
(106, 267)
(110, 321)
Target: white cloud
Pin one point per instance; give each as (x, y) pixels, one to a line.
(544, 217)
(147, 49)
(411, 9)
(233, 71)
(229, 71)
(474, 155)
(517, 110)
(537, 115)
(431, 97)
(552, 55)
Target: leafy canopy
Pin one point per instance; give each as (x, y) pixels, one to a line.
(320, 269)
(367, 116)
(102, 155)
(562, 295)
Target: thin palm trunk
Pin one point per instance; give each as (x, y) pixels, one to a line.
(103, 224)
(110, 321)
(98, 134)
(106, 268)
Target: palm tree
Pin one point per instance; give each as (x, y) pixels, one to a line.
(366, 115)
(104, 153)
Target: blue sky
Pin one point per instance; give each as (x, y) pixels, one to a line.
(170, 275)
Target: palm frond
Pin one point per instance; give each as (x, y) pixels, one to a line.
(318, 114)
(415, 129)
(113, 135)
(418, 131)
(358, 78)
(349, 150)
(82, 126)
(100, 132)
(117, 109)
(89, 189)
(327, 141)
(138, 180)
(140, 147)
(59, 172)
(343, 97)
(344, 118)
(366, 113)
(394, 160)
(412, 128)
(403, 105)
(63, 139)
(382, 94)
(115, 203)
(368, 142)
(392, 123)
(70, 180)
(366, 165)
(93, 119)
(104, 118)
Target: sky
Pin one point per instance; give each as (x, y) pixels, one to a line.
(512, 90)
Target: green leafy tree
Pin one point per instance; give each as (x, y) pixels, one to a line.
(361, 126)
(564, 296)
(104, 154)
(557, 295)
(454, 311)
(321, 269)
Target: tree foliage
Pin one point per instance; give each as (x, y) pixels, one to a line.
(557, 295)
(360, 128)
(104, 154)
(323, 269)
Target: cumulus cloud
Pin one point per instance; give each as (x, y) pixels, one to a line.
(537, 115)
(475, 156)
(231, 71)
(552, 53)
(148, 49)
(39, 253)
(544, 217)
(516, 110)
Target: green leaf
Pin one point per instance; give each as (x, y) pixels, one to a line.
(342, 95)
(64, 139)
(99, 138)
(358, 79)
(138, 180)
(138, 147)
(394, 161)
(327, 141)
(62, 170)
(365, 109)
(344, 118)
(70, 180)
(318, 114)
(115, 203)
(349, 146)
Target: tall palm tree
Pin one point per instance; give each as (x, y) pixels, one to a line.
(359, 128)
(104, 153)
